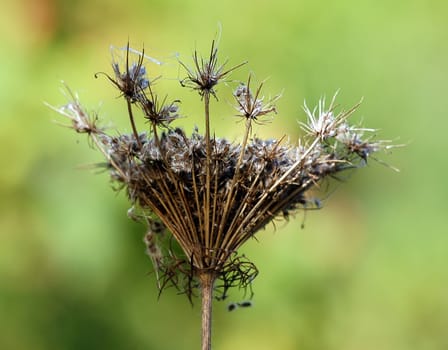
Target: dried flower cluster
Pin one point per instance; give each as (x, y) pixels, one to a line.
(202, 197)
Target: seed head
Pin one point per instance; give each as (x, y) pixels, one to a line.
(207, 73)
(208, 195)
(158, 114)
(251, 106)
(131, 79)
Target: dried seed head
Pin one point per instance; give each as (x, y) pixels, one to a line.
(81, 120)
(207, 73)
(212, 195)
(131, 80)
(251, 106)
(325, 124)
(158, 114)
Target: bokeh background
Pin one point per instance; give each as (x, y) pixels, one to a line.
(368, 271)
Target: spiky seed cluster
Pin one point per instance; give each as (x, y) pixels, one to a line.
(250, 106)
(213, 195)
(207, 73)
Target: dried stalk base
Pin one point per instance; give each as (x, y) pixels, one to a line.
(207, 280)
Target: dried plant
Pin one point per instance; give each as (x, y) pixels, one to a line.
(202, 197)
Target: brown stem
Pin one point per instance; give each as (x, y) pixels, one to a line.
(134, 129)
(233, 186)
(207, 279)
(207, 227)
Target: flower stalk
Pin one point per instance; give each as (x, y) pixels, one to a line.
(207, 280)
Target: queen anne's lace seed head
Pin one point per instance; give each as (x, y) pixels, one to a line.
(322, 123)
(213, 195)
(250, 105)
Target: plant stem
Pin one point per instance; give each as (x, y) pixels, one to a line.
(207, 279)
(208, 175)
(134, 129)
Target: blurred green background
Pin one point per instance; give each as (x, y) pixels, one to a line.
(369, 271)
